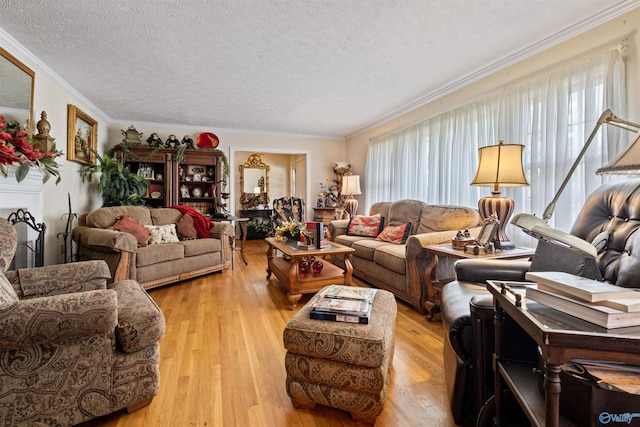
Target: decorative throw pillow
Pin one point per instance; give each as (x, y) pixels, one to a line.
(186, 229)
(129, 225)
(162, 234)
(366, 226)
(396, 234)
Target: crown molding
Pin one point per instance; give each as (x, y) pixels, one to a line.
(28, 58)
(514, 58)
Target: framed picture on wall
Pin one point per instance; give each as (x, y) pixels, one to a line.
(82, 137)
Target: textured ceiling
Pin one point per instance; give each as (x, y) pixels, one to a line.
(316, 67)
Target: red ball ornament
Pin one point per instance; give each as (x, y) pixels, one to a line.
(304, 267)
(317, 267)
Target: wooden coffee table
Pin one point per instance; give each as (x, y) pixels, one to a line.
(297, 283)
(434, 284)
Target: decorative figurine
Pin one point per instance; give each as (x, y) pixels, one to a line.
(154, 140)
(171, 142)
(188, 142)
(131, 136)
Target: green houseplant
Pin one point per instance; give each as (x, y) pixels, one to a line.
(118, 185)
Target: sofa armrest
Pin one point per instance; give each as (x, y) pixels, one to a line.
(62, 279)
(417, 242)
(105, 240)
(57, 319)
(140, 321)
(338, 227)
(481, 270)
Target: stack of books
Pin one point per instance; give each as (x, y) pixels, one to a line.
(343, 304)
(603, 304)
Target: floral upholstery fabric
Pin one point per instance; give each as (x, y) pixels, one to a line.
(140, 321)
(363, 345)
(342, 365)
(61, 361)
(63, 279)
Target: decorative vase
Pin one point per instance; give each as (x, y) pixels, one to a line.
(317, 267)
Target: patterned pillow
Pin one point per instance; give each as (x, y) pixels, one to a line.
(397, 234)
(186, 228)
(162, 234)
(129, 225)
(366, 226)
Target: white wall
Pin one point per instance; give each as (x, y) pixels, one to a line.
(602, 37)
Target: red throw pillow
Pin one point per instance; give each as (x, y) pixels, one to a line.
(396, 234)
(129, 225)
(366, 226)
(186, 229)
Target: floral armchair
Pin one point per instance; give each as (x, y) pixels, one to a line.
(286, 209)
(71, 348)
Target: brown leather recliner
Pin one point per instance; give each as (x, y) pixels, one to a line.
(467, 306)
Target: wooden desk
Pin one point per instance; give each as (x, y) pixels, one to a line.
(242, 222)
(560, 338)
(297, 283)
(434, 284)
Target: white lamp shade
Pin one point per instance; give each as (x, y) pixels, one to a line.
(500, 165)
(351, 185)
(627, 162)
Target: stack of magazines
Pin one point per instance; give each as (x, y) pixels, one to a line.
(343, 304)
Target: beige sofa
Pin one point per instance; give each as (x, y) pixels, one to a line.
(152, 265)
(400, 268)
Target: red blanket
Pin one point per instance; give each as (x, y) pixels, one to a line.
(200, 222)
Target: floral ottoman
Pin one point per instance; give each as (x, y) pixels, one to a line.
(342, 365)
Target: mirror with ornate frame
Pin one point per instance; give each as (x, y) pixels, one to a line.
(254, 182)
(16, 90)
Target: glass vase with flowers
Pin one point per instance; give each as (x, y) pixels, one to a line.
(289, 230)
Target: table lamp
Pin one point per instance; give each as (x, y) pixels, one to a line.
(351, 187)
(499, 166)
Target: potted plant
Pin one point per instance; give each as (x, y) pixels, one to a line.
(119, 187)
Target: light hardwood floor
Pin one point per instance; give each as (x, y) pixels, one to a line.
(222, 359)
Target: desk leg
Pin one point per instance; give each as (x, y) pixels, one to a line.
(243, 230)
(269, 261)
(552, 394)
(430, 276)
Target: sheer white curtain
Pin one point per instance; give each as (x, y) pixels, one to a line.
(552, 115)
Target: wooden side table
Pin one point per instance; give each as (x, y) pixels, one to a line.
(559, 338)
(434, 284)
(324, 215)
(242, 222)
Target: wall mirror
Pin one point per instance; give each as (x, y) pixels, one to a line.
(254, 182)
(16, 90)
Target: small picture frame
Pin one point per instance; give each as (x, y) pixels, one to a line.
(82, 136)
(338, 213)
(146, 171)
(488, 230)
(197, 177)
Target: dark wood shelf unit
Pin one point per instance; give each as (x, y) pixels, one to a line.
(163, 162)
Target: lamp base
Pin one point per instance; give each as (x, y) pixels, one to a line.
(351, 205)
(503, 208)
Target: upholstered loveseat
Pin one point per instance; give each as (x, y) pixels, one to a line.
(151, 265)
(400, 268)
